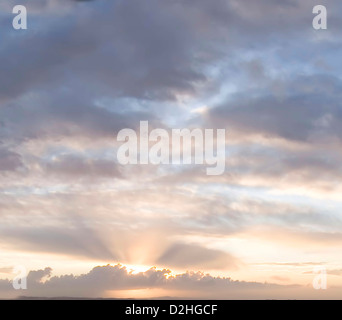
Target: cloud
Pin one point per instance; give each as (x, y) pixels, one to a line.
(189, 256)
(147, 55)
(109, 278)
(83, 71)
(333, 272)
(9, 160)
(314, 100)
(6, 270)
(50, 116)
(79, 167)
(75, 240)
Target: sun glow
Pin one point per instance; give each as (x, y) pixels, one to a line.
(136, 268)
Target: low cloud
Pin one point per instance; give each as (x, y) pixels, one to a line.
(103, 279)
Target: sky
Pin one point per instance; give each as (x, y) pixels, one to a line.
(83, 225)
